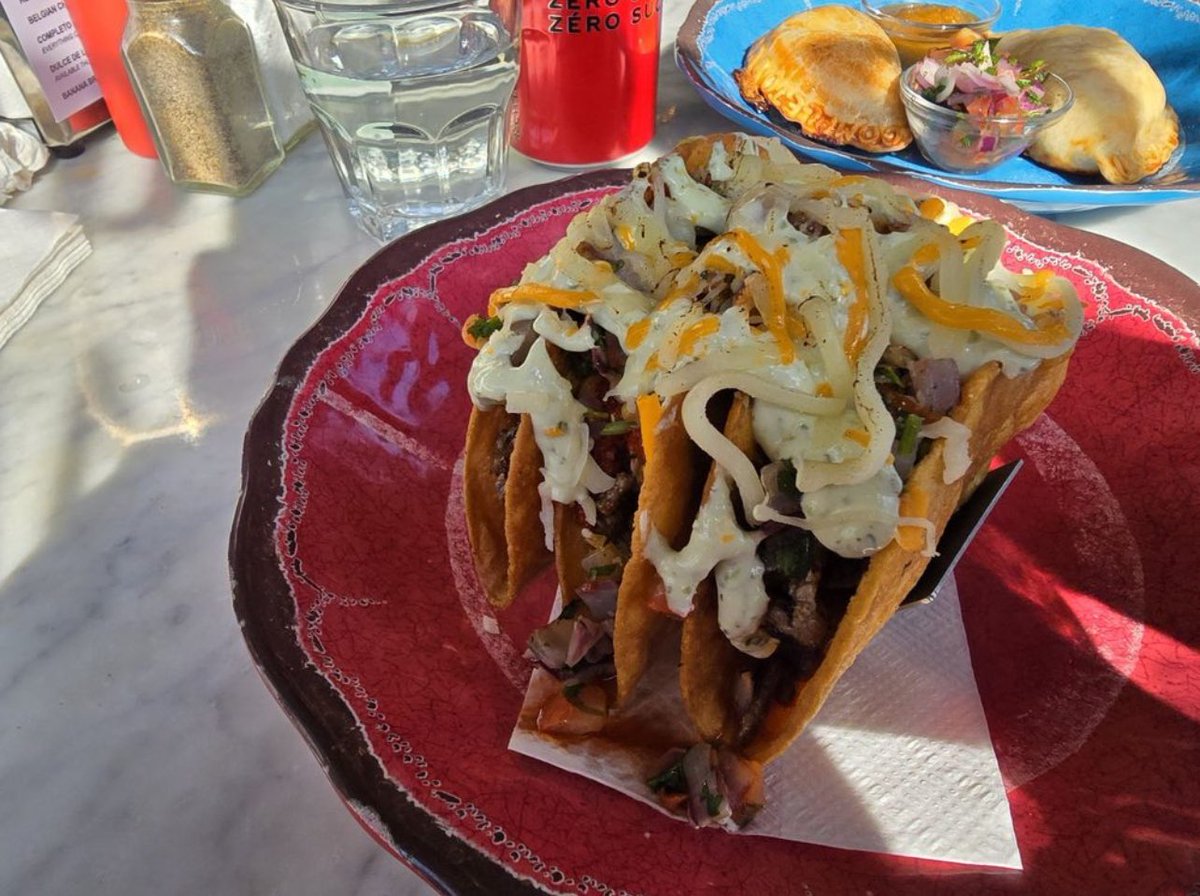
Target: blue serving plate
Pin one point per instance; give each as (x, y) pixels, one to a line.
(716, 34)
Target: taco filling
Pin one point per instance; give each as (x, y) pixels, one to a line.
(841, 360)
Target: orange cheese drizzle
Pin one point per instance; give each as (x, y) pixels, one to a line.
(914, 502)
(849, 247)
(932, 207)
(861, 436)
(706, 326)
(1034, 296)
(541, 294)
(649, 413)
(911, 285)
(690, 284)
(771, 265)
(636, 333)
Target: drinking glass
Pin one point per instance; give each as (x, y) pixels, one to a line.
(412, 98)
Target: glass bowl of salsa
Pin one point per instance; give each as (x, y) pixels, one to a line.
(919, 28)
(970, 109)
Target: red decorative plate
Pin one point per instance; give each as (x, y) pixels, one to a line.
(1080, 596)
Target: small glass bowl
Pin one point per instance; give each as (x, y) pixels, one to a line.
(914, 37)
(956, 141)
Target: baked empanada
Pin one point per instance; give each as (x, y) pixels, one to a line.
(1120, 126)
(835, 73)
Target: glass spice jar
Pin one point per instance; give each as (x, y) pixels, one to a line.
(193, 66)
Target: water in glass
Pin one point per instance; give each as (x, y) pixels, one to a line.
(414, 111)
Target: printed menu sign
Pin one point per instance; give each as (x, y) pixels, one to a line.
(47, 37)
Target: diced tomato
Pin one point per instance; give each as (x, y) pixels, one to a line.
(980, 105)
(675, 803)
(1011, 105)
(658, 600)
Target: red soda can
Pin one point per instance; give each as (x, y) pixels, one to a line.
(588, 79)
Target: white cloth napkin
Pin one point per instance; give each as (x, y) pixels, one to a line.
(21, 157)
(37, 251)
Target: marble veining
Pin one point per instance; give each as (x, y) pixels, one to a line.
(140, 751)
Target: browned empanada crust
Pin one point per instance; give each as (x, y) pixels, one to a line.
(1120, 126)
(835, 73)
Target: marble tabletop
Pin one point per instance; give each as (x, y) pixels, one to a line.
(139, 750)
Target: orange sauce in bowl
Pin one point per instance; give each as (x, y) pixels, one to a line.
(904, 24)
(929, 13)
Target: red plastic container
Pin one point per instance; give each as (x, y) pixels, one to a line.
(100, 24)
(589, 79)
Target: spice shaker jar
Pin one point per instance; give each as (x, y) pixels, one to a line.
(194, 68)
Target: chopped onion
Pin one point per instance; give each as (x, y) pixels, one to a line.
(786, 501)
(550, 644)
(600, 597)
(956, 454)
(706, 803)
(741, 782)
(584, 636)
(936, 383)
(605, 555)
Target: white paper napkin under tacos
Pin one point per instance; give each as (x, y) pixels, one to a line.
(898, 761)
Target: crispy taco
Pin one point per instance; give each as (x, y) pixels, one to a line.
(757, 389)
(500, 465)
(918, 357)
(592, 447)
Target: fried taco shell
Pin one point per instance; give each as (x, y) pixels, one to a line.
(710, 665)
(500, 476)
(669, 498)
(995, 408)
(606, 631)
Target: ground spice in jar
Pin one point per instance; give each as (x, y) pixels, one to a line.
(194, 68)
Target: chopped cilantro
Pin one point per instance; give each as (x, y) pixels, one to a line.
(789, 553)
(571, 690)
(909, 431)
(600, 572)
(617, 427)
(670, 780)
(712, 801)
(483, 327)
(886, 373)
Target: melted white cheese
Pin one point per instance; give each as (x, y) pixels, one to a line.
(690, 201)
(718, 163)
(487, 380)
(812, 269)
(564, 333)
(851, 498)
(969, 349)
